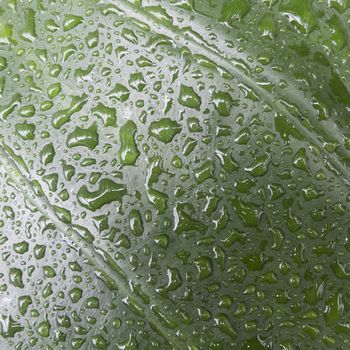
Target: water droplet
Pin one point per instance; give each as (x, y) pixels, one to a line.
(164, 129)
(108, 191)
(128, 152)
(188, 97)
(84, 137)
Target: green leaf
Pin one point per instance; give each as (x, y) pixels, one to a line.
(174, 175)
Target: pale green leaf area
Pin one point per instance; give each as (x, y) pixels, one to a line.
(174, 175)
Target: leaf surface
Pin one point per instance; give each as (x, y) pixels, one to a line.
(174, 175)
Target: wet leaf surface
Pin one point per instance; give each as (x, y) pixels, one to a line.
(174, 175)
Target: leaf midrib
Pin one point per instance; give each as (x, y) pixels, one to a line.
(181, 40)
(42, 204)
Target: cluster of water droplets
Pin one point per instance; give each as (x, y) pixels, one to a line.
(167, 183)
